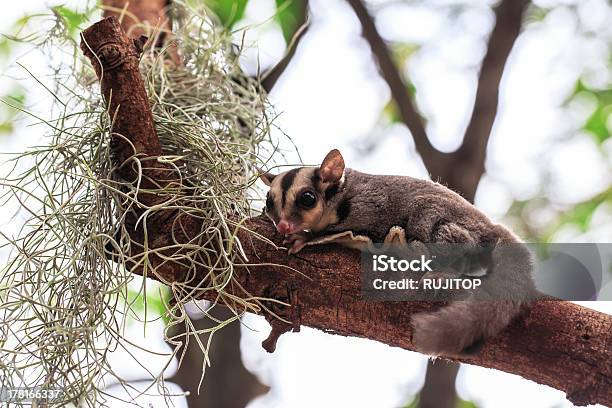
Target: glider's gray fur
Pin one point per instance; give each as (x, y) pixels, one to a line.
(371, 205)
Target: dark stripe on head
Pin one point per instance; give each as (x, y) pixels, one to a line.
(286, 183)
(315, 179)
(331, 191)
(343, 210)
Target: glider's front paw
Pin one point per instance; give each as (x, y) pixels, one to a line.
(295, 243)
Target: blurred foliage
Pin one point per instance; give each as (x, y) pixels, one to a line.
(291, 15)
(390, 111)
(466, 404)
(71, 20)
(599, 122)
(401, 54)
(579, 215)
(536, 14)
(229, 12)
(25, 30)
(144, 302)
(5, 47)
(540, 217)
(11, 105)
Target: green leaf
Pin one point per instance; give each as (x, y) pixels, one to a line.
(391, 113)
(71, 18)
(229, 12)
(536, 14)
(582, 214)
(17, 97)
(290, 14)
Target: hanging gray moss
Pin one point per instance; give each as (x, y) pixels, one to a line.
(64, 301)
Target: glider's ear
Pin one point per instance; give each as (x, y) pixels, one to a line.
(267, 178)
(332, 168)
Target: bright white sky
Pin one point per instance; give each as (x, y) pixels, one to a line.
(331, 96)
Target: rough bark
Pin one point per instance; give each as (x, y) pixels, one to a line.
(556, 343)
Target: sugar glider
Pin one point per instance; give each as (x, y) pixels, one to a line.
(309, 202)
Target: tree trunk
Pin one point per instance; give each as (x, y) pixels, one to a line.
(439, 388)
(227, 384)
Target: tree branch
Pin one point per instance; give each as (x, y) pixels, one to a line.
(140, 18)
(270, 77)
(399, 91)
(470, 156)
(461, 170)
(556, 343)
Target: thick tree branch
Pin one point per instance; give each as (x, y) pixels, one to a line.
(144, 18)
(555, 343)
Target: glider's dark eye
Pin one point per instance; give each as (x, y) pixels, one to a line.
(269, 202)
(308, 199)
